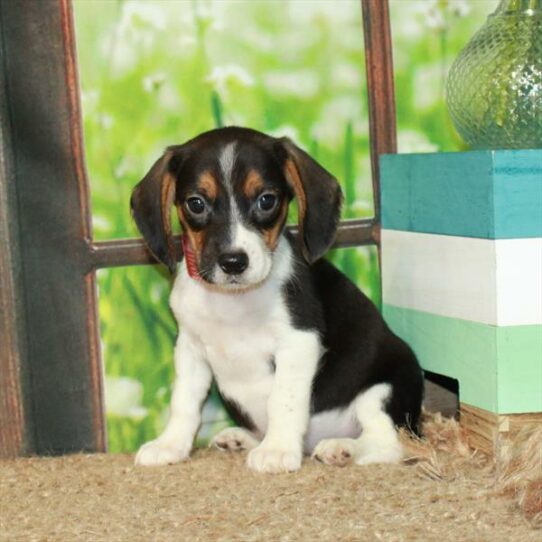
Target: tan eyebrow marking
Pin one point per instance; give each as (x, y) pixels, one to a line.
(167, 195)
(208, 184)
(292, 175)
(197, 238)
(253, 184)
(271, 236)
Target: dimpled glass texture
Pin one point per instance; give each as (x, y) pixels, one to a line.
(494, 87)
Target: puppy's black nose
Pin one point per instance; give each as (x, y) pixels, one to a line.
(233, 263)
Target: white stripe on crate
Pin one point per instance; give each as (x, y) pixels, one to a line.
(497, 282)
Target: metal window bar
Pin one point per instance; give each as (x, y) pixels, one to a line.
(51, 389)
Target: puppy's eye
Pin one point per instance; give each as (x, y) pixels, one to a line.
(267, 202)
(195, 205)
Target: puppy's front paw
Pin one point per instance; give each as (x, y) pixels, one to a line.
(155, 453)
(272, 460)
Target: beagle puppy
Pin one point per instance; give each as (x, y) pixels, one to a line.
(302, 359)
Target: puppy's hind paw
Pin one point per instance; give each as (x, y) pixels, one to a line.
(336, 452)
(234, 439)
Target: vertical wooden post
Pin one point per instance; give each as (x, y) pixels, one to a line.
(48, 305)
(15, 434)
(380, 90)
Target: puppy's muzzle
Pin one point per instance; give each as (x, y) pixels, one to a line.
(233, 263)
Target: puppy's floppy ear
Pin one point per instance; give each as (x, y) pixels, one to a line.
(319, 199)
(151, 203)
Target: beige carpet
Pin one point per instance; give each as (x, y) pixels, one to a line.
(213, 497)
(443, 491)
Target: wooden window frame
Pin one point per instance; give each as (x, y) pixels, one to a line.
(51, 382)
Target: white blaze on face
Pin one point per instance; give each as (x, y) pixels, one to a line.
(227, 161)
(243, 239)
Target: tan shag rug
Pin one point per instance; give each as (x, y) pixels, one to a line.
(444, 491)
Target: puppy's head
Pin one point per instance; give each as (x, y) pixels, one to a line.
(231, 188)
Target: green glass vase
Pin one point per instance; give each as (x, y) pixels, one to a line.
(494, 87)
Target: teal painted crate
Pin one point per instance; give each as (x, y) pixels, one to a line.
(484, 194)
(499, 368)
(462, 270)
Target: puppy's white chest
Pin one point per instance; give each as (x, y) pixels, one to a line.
(242, 364)
(238, 335)
(239, 355)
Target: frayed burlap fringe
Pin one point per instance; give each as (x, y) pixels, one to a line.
(520, 474)
(443, 453)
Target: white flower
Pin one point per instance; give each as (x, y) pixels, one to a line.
(258, 40)
(285, 131)
(153, 82)
(435, 19)
(125, 166)
(141, 22)
(460, 8)
(186, 41)
(347, 75)
(205, 13)
(336, 13)
(123, 57)
(222, 76)
(123, 397)
(150, 14)
(105, 121)
(404, 23)
(335, 115)
(101, 222)
(431, 12)
(301, 83)
(89, 98)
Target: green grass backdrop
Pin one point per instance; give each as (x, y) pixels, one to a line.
(158, 72)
